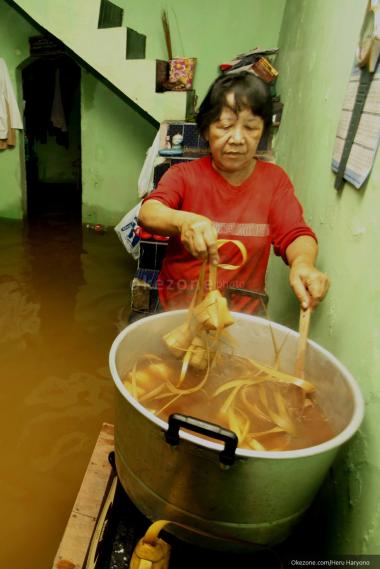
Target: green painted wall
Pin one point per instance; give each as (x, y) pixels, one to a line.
(317, 46)
(114, 142)
(14, 49)
(212, 31)
(114, 136)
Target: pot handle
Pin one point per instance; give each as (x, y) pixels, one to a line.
(177, 421)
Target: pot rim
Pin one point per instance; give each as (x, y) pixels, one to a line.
(335, 442)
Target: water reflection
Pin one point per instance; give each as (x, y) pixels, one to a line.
(19, 316)
(62, 294)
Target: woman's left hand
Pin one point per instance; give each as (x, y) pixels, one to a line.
(308, 283)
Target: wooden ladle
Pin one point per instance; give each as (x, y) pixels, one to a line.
(304, 323)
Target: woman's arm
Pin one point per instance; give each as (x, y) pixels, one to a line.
(308, 283)
(197, 232)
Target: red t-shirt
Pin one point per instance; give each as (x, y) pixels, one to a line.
(260, 212)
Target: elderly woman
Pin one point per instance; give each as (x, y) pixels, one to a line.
(230, 194)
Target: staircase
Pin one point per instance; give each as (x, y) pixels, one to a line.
(93, 30)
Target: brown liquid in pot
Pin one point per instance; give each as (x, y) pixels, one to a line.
(267, 415)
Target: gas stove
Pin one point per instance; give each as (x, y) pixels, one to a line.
(121, 525)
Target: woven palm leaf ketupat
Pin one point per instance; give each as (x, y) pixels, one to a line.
(207, 312)
(267, 408)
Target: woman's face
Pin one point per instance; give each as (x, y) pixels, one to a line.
(234, 138)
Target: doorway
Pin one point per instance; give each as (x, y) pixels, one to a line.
(51, 91)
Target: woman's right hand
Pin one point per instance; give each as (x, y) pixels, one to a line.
(197, 232)
(199, 236)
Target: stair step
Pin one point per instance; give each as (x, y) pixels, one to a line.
(79, 16)
(114, 41)
(110, 15)
(136, 44)
(141, 73)
(77, 28)
(162, 74)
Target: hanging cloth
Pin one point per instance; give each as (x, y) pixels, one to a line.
(10, 117)
(11, 137)
(57, 116)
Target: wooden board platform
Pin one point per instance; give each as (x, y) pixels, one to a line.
(74, 545)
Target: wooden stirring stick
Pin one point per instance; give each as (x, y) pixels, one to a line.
(302, 342)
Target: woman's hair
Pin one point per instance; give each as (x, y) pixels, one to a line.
(250, 91)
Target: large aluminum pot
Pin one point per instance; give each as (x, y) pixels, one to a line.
(262, 495)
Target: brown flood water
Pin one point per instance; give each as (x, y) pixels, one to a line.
(64, 296)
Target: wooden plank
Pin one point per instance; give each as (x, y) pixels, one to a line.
(74, 545)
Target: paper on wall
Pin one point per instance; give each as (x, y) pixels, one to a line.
(367, 137)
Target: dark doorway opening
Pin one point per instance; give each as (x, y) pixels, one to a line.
(51, 89)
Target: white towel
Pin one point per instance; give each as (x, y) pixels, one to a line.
(7, 98)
